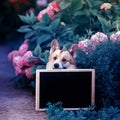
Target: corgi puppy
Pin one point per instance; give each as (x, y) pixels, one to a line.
(59, 59)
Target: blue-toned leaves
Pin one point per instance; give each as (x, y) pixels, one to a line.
(25, 28)
(29, 34)
(54, 25)
(37, 51)
(43, 38)
(45, 19)
(106, 24)
(29, 19)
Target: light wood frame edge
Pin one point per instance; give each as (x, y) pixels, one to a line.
(37, 97)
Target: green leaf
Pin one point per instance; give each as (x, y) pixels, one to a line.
(41, 67)
(32, 84)
(34, 38)
(76, 5)
(32, 59)
(79, 13)
(93, 12)
(29, 19)
(37, 51)
(33, 18)
(106, 25)
(29, 34)
(72, 26)
(65, 5)
(89, 3)
(54, 25)
(82, 19)
(33, 69)
(45, 19)
(116, 25)
(43, 60)
(36, 26)
(42, 27)
(25, 19)
(46, 55)
(24, 29)
(46, 29)
(43, 38)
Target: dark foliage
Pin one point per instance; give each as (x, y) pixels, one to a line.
(56, 112)
(9, 19)
(106, 62)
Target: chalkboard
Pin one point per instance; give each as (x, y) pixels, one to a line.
(74, 88)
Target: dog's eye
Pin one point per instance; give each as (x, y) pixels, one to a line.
(55, 58)
(64, 60)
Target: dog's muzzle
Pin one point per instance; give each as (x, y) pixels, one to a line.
(58, 66)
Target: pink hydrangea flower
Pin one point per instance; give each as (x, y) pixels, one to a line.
(12, 54)
(52, 8)
(16, 60)
(84, 45)
(115, 36)
(19, 59)
(23, 48)
(18, 70)
(97, 39)
(17, 64)
(27, 73)
(50, 12)
(21, 63)
(25, 61)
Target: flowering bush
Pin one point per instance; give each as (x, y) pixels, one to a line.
(95, 40)
(90, 24)
(22, 64)
(19, 59)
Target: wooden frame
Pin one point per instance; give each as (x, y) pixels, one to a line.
(61, 71)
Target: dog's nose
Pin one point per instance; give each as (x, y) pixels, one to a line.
(56, 65)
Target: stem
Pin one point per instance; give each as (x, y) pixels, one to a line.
(117, 27)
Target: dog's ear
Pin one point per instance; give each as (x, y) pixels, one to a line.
(54, 46)
(73, 50)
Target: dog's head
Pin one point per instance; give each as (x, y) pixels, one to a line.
(59, 59)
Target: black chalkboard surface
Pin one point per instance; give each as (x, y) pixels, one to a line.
(74, 88)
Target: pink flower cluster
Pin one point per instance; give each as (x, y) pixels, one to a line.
(52, 8)
(84, 45)
(95, 40)
(115, 36)
(19, 59)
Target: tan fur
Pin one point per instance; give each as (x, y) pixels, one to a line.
(59, 59)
